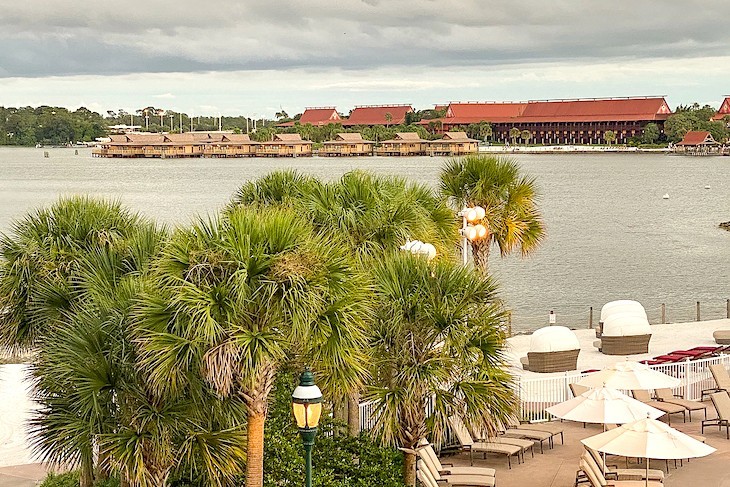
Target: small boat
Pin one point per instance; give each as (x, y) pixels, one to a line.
(707, 186)
(666, 196)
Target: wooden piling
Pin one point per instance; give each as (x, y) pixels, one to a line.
(664, 313)
(509, 323)
(698, 311)
(727, 305)
(590, 318)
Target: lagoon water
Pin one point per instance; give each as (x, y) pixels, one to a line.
(610, 233)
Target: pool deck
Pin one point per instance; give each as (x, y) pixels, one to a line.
(665, 338)
(557, 467)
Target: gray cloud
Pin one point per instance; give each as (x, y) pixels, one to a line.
(68, 37)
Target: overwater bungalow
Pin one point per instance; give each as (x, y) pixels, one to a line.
(150, 145)
(231, 145)
(285, 145)
(347, 144)
(404, 144)
(698, 142)
(453, 144)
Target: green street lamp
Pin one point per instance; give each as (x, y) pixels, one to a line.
(307, 407)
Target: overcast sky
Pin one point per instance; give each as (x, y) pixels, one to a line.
(256, 57)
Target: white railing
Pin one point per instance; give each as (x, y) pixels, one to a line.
(536, 394)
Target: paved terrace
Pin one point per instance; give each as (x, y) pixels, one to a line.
(557, 467)
(665, 338)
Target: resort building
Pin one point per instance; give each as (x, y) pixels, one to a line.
(285, 145)
(317, 116)
(369, 115)
(453, 144)
(231, 145)
(698, 143)
(347, 144)
(404, 144)
(580, 121)
(724, 110)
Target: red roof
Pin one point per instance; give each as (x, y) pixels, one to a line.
(318, 116)
(724, 110)
(375, 115)
(697, 137)
(465, 113)
(591, 110)
(608, 110)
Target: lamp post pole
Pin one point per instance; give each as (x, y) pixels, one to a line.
(307, 408)
(471, 228)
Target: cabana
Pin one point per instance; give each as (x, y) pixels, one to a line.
(625, 334)
(626, 306)
(552, 349)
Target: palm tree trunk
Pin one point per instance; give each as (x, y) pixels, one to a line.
(339, 409)
(255, 449)
(86, 477)
(409, 469)
(353, 414)
(480, 251)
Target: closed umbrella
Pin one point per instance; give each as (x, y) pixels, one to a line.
(648, 438)
(628, 376)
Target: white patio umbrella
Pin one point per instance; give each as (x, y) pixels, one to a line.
(648, 438)
(603, 405)
(628, 376)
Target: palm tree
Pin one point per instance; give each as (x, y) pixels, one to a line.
(525, 135)
(235, 298)
(388, 118)
(513, 219)
(438, 349)
(609, 136)
(71, 275)
(367, 214)
(514, 133)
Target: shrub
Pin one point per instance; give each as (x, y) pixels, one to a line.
(338, 461)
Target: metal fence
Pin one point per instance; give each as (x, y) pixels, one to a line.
(536, 394)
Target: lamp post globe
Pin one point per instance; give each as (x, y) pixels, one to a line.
(307, 409)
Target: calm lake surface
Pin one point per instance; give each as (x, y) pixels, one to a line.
(610, 233)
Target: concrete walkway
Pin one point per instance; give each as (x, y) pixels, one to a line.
(22, 475)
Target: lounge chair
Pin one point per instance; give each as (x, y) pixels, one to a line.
(665, 395)
(625, 345)
(577, 389)
(552, 427)
(721, 401)
(428, 480)
(429, 458)
(534, 435)
(722, 337)
(722, 380)
(621, 473)
(481, 437)
(469, 445)
(597, 479)
(668, 408)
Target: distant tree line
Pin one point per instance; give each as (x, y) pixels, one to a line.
(49, 125)
(694, 117)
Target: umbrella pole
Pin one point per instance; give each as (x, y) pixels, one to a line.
(646, 479)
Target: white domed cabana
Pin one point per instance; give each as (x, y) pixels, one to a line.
(625, 329)
(620, 306)
(552, 349)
